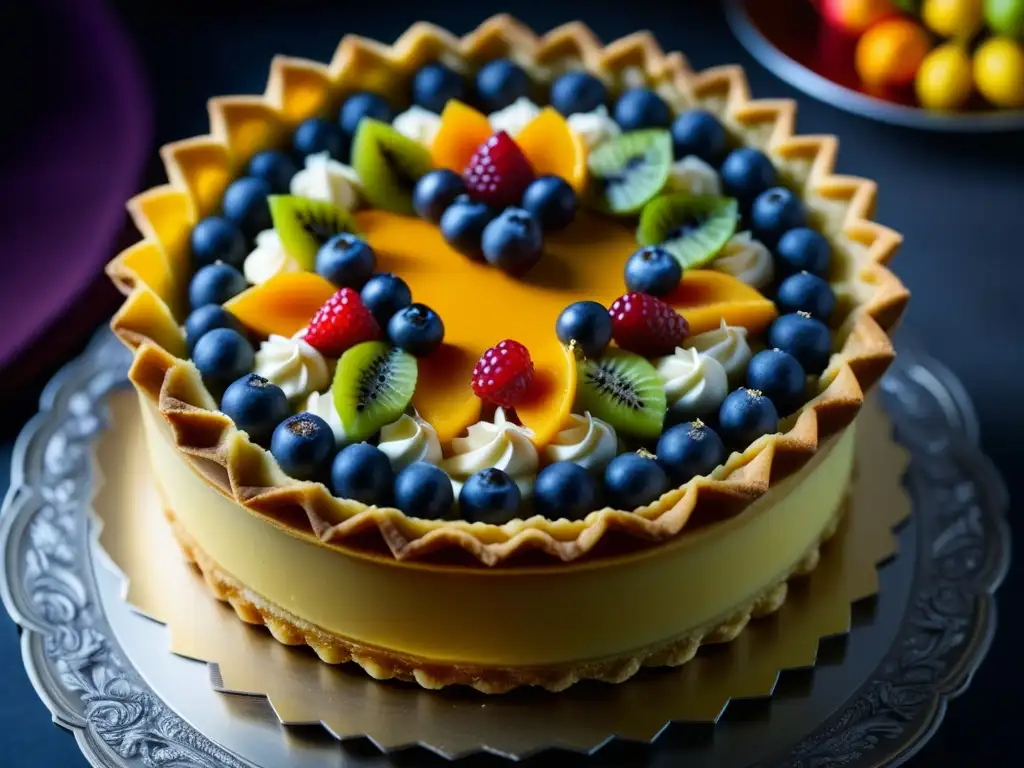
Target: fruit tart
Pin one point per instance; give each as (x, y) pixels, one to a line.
(506, 359)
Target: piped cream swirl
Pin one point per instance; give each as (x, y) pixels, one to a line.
(594, 127)
(268, 259)
(746, 259)
(322, 405)
(292, 364)
(408, 440)
(694, 176)
(695, 384)
(728, 345)
(586, 441)
(325, 179)
(513, 118)
(500, 444)
(419, 124)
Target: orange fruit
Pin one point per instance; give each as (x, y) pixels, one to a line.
(283, 305)
(462, 131)
(891, 52)
(553, 149)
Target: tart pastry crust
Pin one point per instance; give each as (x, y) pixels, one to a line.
(153, 275)
(382, 664)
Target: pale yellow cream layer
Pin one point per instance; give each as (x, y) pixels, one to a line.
(505, 617)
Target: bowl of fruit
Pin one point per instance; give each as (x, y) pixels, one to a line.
(948, 65)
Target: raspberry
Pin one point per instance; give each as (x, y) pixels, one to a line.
(646, 325)
(504, 374)
(499, 172)
(342, 322)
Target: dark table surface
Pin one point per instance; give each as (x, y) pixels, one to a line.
(959, 200)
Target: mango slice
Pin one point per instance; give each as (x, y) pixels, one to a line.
(706, 297)
(552, 394)
(283, 305)
(553, 149)
(462, 131)
(481, 306)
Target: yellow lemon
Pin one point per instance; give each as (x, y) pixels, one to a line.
(952, 18)
(999, 72)
(944, 79)
(890, 52)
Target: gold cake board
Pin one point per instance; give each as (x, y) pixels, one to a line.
(303, 690)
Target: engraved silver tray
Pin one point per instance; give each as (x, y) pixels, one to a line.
(879, 699)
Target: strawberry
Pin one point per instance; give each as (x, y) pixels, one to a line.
(499, 172)
(504, 374)
(342, 322)
(646, 325)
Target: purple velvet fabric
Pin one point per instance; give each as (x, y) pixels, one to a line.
(81, 150)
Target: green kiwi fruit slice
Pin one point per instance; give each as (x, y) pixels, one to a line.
(629, 170)
(693, 228)
(304, 225)
(389, 165)
(624, 390)
(372, 387)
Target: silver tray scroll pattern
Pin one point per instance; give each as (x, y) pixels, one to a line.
(78, 671)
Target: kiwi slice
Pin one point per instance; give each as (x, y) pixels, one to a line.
(389, 165)
(624, 390)
(693, 228)
(372, 387)
(304, 225)
(629, 170)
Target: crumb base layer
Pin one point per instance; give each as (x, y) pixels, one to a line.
(498, 628)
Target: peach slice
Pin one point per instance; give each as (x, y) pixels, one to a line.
(283, 305)
(552, 393)
(462, 131)
(553, 149)
(706, 297)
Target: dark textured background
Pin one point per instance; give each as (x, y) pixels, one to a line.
(959, 201)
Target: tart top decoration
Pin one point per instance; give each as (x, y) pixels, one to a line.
(400, 293)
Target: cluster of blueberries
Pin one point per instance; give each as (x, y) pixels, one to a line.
(511, 239)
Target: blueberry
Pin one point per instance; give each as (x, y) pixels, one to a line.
(576, 92)
(222, 355)
(552, 201)
(317, 135)
(423, 490)
(362, 473)
(565, 489)
(500, 83)
(462, 225)
(746, 414)
(654, 271)
(435, 191)
(773, 213)
(215, 284)
(779, 377)
(303, 446)
(513, 241)
(689, 450)
(632, 481)
(434, 85)
(205, 319)
(803, 249)
(417, 329)
(588, 324)
(699, 133)
(245, 203)
(275, 168)
(804, 292)
(217, 239)
(641, 108)
(363, 104)
(385, 294)
(346, 260)
(805, 338)
(256, 406)
(746, 173)
(489, 496)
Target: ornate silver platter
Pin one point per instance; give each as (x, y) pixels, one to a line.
(106, 675)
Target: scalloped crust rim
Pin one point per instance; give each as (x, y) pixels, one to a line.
(153, 274)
